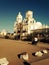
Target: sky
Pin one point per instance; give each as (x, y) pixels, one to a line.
(9, 10)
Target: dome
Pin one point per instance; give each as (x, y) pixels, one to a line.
(39, 23)
(29, 14)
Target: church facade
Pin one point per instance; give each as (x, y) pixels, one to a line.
(27, 25)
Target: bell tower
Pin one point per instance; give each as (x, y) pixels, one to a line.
(19, 18)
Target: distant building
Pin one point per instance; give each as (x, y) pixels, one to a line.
(3, 32)
(27, 25)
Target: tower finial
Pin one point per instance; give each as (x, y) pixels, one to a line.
(19, 13)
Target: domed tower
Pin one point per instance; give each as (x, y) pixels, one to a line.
(30, 21)
(29, 17)
(29, 14)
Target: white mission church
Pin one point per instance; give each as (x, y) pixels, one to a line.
(28, 24)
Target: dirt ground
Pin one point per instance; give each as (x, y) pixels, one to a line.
(10, 49)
